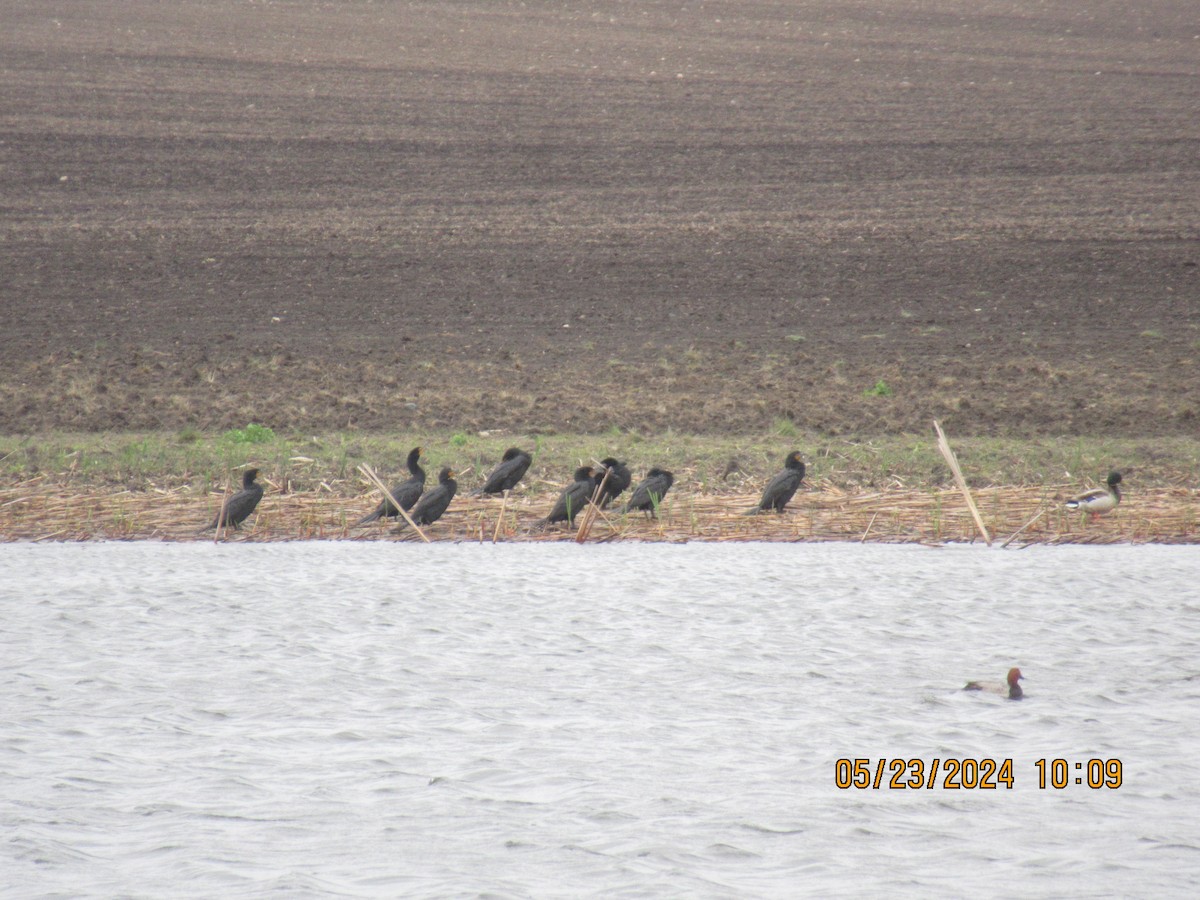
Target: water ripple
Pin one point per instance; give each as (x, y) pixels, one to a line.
(550, 720)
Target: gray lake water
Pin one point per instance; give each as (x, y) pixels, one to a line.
(533, 720)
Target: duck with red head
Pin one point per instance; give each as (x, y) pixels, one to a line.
(1011, 689)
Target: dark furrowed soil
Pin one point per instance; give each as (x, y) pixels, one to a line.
(538, 216)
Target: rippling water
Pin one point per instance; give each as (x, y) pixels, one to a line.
(336, 719)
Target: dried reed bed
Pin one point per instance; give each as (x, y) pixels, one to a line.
(40, 509)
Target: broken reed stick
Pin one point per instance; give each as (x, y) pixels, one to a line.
(222, 516)
(1017, 533)
(589, 514)
(952, 461)
(500, 518)
(366, 470)
(868, 531)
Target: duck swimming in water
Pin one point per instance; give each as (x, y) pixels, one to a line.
(1011, 690)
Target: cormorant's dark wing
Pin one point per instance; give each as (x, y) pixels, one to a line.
(648, 493)
(238, 508)
(406, 493)
(780, 489)
(434, 503)
(506, 475)
(619, 478)
(571, 501)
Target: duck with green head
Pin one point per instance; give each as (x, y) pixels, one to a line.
(1101, 500)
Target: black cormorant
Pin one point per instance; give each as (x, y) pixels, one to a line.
(648, 495)
(574, 496)
(435, 500)
(781, 488)
(241, 504)
(619, 478)
(406, 493)
(504, 477)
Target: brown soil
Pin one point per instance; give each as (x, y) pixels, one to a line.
(547, 216)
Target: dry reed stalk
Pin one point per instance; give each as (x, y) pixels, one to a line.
(221, 514)
(370, 473)
(944, 447)
(1019, 531)
(868, 531)
(1164, 515)
(589, 514)
(500, 518)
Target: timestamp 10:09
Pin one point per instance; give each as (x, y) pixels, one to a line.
(1095, 773)
(979, 774)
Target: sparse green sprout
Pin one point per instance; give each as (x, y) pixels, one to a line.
(786, 428)
(458, 439)
(251, 434)
(881, 389)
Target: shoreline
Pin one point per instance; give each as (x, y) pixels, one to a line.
(164, 486)
(1019, 516)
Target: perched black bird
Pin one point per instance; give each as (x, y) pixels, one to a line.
(648, 495)
(504, 477)
(574, 496)
(406, 493)
(619, 478)
(781, 488)
(435, 500)
(241, 504)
